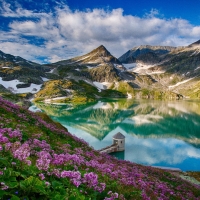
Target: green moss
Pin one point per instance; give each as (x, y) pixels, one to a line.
(124, 88)
(193, 92)
(112, 94)
(79, 91)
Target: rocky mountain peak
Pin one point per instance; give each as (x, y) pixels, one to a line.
(102, 55)
(97, 56)
(146, 51)
(101, 47)
(100, 51)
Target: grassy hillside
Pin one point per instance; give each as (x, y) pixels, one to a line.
(144, 93)
(39, 159)
(20, 99)
(73, 91)
(191, 90)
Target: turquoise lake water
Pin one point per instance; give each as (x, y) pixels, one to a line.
(158, 133)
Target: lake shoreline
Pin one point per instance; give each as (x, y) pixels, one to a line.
(158, 133)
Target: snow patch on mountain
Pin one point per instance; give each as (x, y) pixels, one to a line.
(52, 70)
(130, 66)
(33, 89)
(90, 67)
(107, 84)
(195, 53)
(68, 90)
(44, 79)
(12, 86)
(142, 68)
(101, 86)
(179, 83)
(197, 68)
(89, 82)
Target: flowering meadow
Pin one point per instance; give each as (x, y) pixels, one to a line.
(40, 159)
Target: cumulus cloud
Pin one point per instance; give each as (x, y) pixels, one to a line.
(66, 33)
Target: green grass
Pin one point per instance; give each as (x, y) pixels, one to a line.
(80, 92)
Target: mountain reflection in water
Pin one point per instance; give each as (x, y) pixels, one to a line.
(158, 133)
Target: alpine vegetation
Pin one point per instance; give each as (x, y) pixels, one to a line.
(40, 159)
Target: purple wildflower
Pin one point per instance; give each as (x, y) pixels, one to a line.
(42, 177)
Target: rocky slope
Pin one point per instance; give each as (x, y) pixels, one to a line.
(102, 70)
(20, 78)
(8, 60)
(173, 69)
(98, 65)
(155, 72)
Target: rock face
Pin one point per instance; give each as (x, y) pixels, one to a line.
(104, 73)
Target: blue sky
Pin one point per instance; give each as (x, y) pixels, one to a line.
(48, 31)
(168, 8)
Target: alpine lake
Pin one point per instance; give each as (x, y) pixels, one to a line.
(157, 133)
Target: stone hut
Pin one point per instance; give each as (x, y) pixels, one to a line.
(119, 139)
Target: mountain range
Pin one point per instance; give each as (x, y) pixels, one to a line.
(156, 72)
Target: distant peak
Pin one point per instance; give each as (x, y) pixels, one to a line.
(169, 48)
(101, 47)
(101, 50)
(197, 43)
(97, 56)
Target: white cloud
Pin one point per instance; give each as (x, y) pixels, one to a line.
(7, 11)
(68, 33)
(54, 58)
